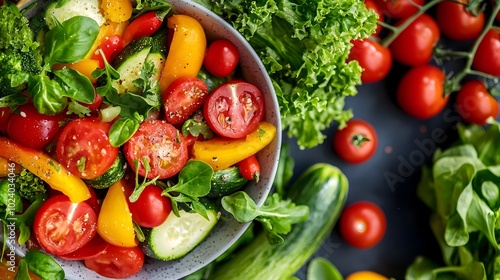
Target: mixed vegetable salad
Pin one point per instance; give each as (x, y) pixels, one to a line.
(123, 132)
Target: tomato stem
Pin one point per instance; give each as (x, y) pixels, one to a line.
(359, 139)
(396, 30)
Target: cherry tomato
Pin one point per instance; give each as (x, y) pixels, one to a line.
(162, 145)
(4, 119)
(93, 248)
(62, 227)
(250, 168)
(182, 98)
(414, 46)
(362, 224)
(234, 109)
(117, 262)
(356, 142)
(399, 8)
(420, 92)
(365, 275)
(371, 4)
(487, 58)
(151, 209)
(30, 128)
(456, 22)
(145, 25)
(110, 47)
(94, 105)
(375, 59)
(221, 58)
(84, 149)
(475, 104)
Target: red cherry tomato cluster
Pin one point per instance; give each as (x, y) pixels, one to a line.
(421, 43)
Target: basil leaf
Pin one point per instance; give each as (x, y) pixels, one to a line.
(76, 85)
(47, 95)
(71, 40)
(44, 265)
(12, 100)
(22, 271)
(7, 197)
(122, 130)
(320, 268)
(194, 179)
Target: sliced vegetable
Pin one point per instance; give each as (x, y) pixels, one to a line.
(111, 176)
(221, 153)
(169, 241)
(114, 223)
(43, 166)
(144, 25)
(325, 196)
(117, 10)
(60, 12)
(226, 181)
(187, 50)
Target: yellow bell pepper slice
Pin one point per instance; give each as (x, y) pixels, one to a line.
(117, 10)
(84, 67)
(221, 153)
(49, 170)
(114, 223)
(187, 49)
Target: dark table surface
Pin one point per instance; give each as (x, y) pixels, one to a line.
(389, 179)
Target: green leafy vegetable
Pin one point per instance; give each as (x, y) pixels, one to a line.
(321, 268)
(276, 215)
(304, 46)
(462, 189)
(193, 183)
(44, 265)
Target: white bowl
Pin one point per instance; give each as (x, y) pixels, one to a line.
(228, 230)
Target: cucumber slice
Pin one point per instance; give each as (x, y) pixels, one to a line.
(177, 236)
(88, 8)
(129, 63)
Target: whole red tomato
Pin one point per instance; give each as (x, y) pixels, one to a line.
(375, 59)
(420, 92)
(117, 262)
(415, 44)
(475, 104)
(487, 58)
(399, 8)
(221, 58)
(151, 208)
(362, 224)
(456, 22)
(356, 142)
(370, 4)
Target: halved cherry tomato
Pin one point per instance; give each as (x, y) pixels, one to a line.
(371, 4)
(110, 48)
(250, 168)
(182, 98)
(375, 59)
(399, 8)
(420, 92)
(475, 104)
(414, 46)
(362, 224)
(163, 147)
(29, 128)
(221, 58)
(62, 227)
(117, 262)
(487, 57)
(4, 119)
(356, 142)
(145, 25)
(456, 22)
(151, 209)
(234, 109)
(93, 248)
(84, 149)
